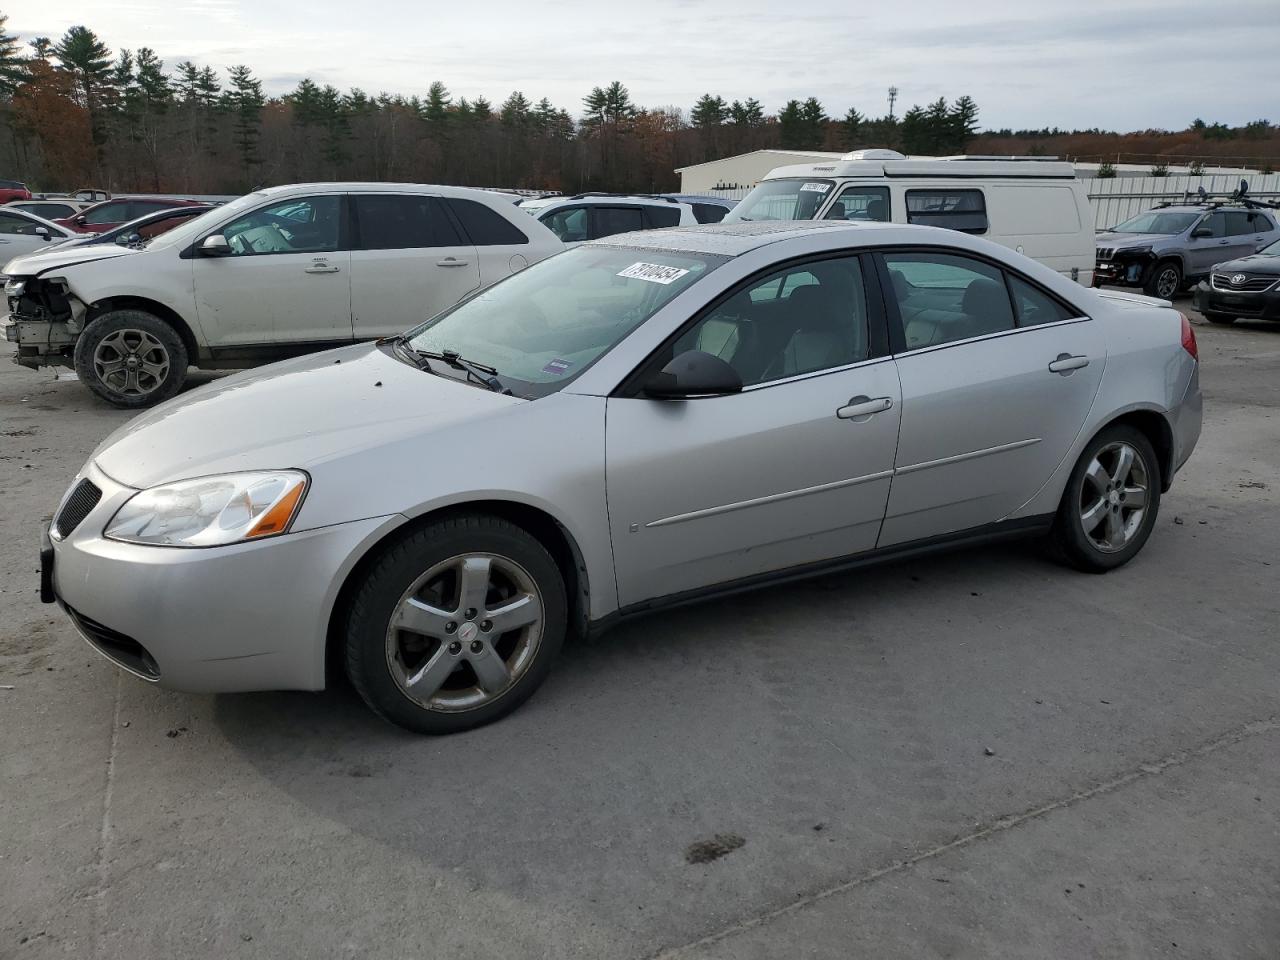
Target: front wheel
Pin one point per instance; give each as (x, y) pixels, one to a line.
(131, 358)
(1111, 501)
(1164, 281)
(456, 625)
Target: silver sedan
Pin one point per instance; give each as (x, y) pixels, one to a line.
(644, 420)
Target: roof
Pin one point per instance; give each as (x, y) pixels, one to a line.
(606, 199)
(1020, 169)
(816, 154)
(473, 193)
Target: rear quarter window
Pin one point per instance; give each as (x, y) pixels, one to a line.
(485, 227)
(668, 216)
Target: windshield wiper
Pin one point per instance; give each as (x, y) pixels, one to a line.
(480, 373)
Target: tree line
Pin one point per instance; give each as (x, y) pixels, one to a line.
(75, 113)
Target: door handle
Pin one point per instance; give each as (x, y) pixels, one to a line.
(863, 406)
(321, 267)
(451, 262)
(1067, 363)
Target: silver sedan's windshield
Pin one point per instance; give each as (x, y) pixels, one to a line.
(545, 325)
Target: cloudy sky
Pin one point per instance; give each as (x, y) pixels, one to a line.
(1124, 64)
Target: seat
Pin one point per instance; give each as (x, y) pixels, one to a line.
(986, 308)
(877, 209)
(820, 319)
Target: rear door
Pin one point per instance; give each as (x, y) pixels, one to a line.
(1248, 231)
(409, 263)
(501, 246)
(997, 378)
(285, 280)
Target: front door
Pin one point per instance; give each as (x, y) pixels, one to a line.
(997, 378)
(409, 263)
(792, 470)
(1204, 252)
(287, 278)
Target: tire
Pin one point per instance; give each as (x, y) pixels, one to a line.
(131, 359)
(1091, 547)
(447, 665)
(1164, 280)
(1224, 319)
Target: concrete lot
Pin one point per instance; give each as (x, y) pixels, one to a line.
(1130, 806)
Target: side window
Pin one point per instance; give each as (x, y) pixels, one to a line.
(299, 225)
(1215, 223)
(709, 212)
(569, 223)
(157, 227)
(1034, 306)
(401, 222)
(12, 224)
(861, 203)
(1245, 221)
(665, 216)
(109, 213)
(606, 221)
(801, 319)
(963, 210)
(485, 227)
(943, 298)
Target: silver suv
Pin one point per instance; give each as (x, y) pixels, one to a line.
(1173, 246)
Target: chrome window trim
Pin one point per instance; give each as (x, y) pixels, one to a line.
(990, 336)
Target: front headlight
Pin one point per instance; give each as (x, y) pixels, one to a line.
(211, 511)
(14, 288)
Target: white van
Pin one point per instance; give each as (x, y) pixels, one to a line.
(1036, 207)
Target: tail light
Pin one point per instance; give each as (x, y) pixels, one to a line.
(1189, 338)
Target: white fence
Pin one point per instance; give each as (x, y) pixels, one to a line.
(1115, 200)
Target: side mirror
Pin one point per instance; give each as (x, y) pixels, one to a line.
(42, 232)
(128, 239)
(215, 245)
(79, 218)
(693, 373)
(1199, 232)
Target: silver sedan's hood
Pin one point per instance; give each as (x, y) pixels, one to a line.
(298, 413)
(59, 256)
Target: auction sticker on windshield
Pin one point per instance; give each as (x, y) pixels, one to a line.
(653, 272)
(815, 187)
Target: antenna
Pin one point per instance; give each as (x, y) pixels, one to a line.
(893, 98)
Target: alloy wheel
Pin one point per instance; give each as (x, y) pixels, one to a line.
(465, 632)
(1114, 497)
(133, 363)
(1167, 283)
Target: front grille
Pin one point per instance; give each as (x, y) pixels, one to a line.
(1106, 253)
(83, 498)
(115, 646)
(1223, 282)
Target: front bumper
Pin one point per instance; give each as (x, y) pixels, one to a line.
(250, 616)
(1122, 268)
(1255, 306)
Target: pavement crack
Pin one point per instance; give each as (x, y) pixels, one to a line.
(105, 832)
(1141, 771)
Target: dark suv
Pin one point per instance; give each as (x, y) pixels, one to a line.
(1174, 245)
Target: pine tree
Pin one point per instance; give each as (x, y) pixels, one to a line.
(851, 128)
(13, 68)
(749, 113)
(791, 125)
(964, 122)
(245, 100)
(709, 111)
(514, 112)
(88, 61)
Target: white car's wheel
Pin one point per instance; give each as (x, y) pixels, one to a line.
(131, 358)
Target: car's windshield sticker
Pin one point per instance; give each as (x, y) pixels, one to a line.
(815, 187)
(557, 366)
(653, 272)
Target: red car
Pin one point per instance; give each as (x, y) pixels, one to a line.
(109, 214)
(11, 190)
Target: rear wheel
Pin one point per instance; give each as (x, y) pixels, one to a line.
(1220, 318)
(1164, 280)
(456, 625)
(131, 358)
(1111, 501)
